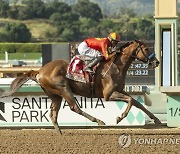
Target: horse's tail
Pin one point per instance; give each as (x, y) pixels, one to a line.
(18, 82)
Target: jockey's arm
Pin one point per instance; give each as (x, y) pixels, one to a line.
(108, 52)
(111, 52)
(111, 55)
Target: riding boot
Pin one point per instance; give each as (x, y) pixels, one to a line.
(89, 67)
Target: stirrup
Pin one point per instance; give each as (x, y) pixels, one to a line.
(88, 69)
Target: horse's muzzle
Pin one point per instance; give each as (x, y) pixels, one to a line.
(155, 63)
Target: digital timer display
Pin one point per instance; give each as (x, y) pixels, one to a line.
(140, 73)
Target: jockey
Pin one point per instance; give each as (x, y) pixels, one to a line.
(98, 48)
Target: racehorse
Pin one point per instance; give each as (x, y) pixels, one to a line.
(109, 82)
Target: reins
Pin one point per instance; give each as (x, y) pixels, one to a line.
(137, 49)
(109, 66)
(105, 74)
(130, 55)
(151, 56)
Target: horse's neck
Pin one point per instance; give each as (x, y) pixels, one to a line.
(126, 58)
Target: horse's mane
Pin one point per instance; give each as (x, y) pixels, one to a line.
(125, 45)
(122, 47)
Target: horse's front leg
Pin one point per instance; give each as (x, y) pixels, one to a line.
(111, 95)
(122, 96)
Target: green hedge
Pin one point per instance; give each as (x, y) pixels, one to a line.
(20, 47)
(21, 56)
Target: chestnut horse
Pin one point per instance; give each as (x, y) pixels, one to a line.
(108, 84)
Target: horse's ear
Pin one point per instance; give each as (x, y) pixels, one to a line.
(136, 41)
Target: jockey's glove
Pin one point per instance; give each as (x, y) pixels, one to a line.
(111, 50)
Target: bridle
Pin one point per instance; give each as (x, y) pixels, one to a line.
(138, 49)
(147, 59)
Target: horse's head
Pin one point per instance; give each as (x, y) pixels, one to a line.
(143, 54)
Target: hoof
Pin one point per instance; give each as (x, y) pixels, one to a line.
(118, 119)
(58, 130)
(101, 123)
(157, 121)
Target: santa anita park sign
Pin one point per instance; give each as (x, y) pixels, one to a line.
(34, 111)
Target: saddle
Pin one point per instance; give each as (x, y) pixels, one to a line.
(75, 71)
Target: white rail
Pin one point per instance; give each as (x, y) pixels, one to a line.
(7, 81)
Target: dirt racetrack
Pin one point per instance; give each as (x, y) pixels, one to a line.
(150, 139)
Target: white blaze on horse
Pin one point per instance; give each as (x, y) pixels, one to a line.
(109, 82)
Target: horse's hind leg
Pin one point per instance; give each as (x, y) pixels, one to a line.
(68, 96)
(55, 106)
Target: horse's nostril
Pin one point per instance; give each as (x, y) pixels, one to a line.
(157, 63)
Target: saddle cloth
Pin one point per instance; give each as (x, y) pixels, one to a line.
(75, 70)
